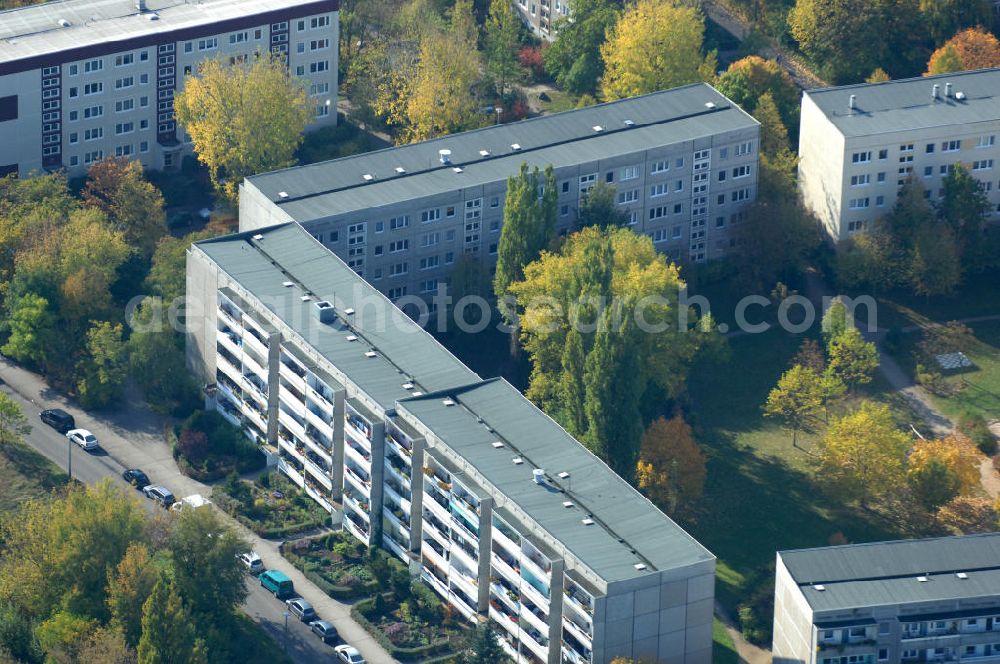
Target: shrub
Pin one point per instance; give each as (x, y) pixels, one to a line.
(193, 444)
(532, 60)
(975, 429)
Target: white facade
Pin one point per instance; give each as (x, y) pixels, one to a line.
(852, 162)
(71, 101)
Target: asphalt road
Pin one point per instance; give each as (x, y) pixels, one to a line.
(302, 646)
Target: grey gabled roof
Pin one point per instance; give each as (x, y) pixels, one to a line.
(662, 118)
(628, 529)
(908, 104)
(287, 253)
(861, 575)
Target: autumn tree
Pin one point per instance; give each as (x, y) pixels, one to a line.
(130, 584)
(800, 396)
(620, 296)
(13, 424)
(600, 208)
(574, 58)
(836, 320)
(434, 96)
(939, 470)
(935, 267)
(166, 277)
(852, 359)
(243, 118)
(655, 45)
(529, 219)
(965, 208)
(105, 367)
(483, 646)
(945, 18)
(747, 80)
(105, 646)
(501, 41)
(31, 325)
(132, 205)
(974, 48)
(156, 359)
(879, 75)
(863, 455)
(773, 134)
(671, 468)
(168, 629)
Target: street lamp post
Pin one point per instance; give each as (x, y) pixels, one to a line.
(499, 110)
(286, 614)
(69, 458)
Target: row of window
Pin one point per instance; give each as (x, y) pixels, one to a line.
(865, 156)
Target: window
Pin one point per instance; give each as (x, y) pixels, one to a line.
(982, 165)
(238, 37)
(319, 22)
(91, 66)
(495, 202)
(628, 173)
(741, 171)
(740, 195)
(609, 176)
(587, 182)
(906, 159)
(565, 187)
(319, 88)
(123, 150)
(861, 157)
(258, 34)
(883, 654)
(720, 199)
(882, 154)
(906, 147)
(143, 102)
(144, 146)
(396, 292)
(93, 134)
(209, 44)
(986, 141)
(563, 210)
(657, 212)
(93, 112)
(430, 239)
(675, 233)
(742, 149)
(449, 211)
(430, 215)
(860, 180)
(93, 88)
(428, 286)
(321, 66)
(91, 157)
(929, 149)
(429, 263)
(74, 138)
(928, 171)
(124, 128)
(449, 236)
(880, 201)
(143, 56)
(449, 258)
(124, 60)
(951, 146)
(398, 269)
(300, 70)
(659, 235)
(659, 190)
(397, 246)
(126, 82)
(679, 162)
(73, 70)
(626, 197)
(858, 203)
(319, 44)
(679, 185)
(678, 208)
(947, 169)
(123, 105)
(188, 47)
(659, 167)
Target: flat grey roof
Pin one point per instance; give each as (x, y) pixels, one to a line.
(35, 30)
(662, 118)
(907, 104)
(860, 575)
(287, 253)
(628, 529)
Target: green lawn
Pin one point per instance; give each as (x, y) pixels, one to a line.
(979, 297)
(257, 646)
(977, 390)
(558, 101)
(759, 495)
(27, 474)
(723, 649)
(334, 142)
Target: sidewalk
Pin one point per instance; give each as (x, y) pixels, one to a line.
(133, 436)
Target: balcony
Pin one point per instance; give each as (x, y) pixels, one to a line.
(318, 496)
(401, 450)
(291, 472)
(579, 600)
(396, 547)
(576, 653)
(510, 572)
(506, 621)
(230, 341)
(359, 477)
(230, 316)
(323, 428)
(356, 526)
(530, 591)
(433, 526)
(257, 365)
(316, 471)
(533, 564)
(501, 537)
(396, 514)
(535, 617)
(290, 396)
(256, 384)
(432, 501)
(358, 426)
(580, 633)
(399, 468)
(462, 602)
(462, 510)
(506, 595)
(465, 528)
(357, 500)
(361, 456)
(438, 584)
(255, 336)
(229, 412)
(392, 483)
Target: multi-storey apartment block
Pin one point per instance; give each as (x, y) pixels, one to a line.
(488, 500)
(932, 600)
(81, 80)
(858, 144)
(683, 161)
(541, 16)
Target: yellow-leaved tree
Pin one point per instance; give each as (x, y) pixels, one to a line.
(940, 470)
(244, 118)
(433, 96)
(655, 45)
(671, 468)
(974, 48)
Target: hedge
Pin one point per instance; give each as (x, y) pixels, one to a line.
(226, 503)
(417, 653)
(333, 590)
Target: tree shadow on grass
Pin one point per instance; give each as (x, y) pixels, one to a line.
(30, 464)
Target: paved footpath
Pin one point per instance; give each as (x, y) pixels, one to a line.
(133, 436)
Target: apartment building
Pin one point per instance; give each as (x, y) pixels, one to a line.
(858, 144)
(541, 16)
(81, 80)
(489, 501)
(930, 600)
(683, 161)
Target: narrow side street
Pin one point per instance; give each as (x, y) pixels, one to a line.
(132, 436)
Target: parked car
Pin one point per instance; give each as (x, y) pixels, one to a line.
(252, 561)
(279, 584)
(160, 494)
(324, 630)
(349, 654)
(192, 502)
(83, 438)
(136, 478)
(58, 419)
(302, 609)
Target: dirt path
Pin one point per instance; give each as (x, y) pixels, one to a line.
(748, 652)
